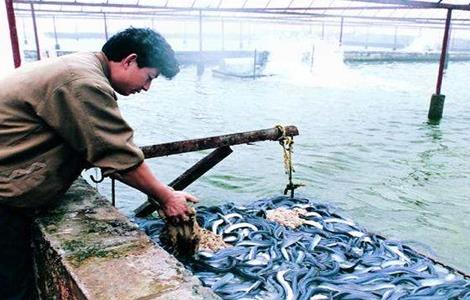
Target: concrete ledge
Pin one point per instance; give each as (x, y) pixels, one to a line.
(86, 249)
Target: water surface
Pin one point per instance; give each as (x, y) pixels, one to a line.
(365, 145)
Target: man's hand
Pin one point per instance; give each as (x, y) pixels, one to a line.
(175, 208)
(173, 202)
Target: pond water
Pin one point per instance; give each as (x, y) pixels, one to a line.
(365, 145)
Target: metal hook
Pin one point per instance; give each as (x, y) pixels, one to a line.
(97, 180)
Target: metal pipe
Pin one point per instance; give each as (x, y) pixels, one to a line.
(341, 32)
(254, 65)
(445, 41)
(292, 17)
(200, 65)
(105, 27)
(395, 38)
(15, 48)
(393, 4)
(200, 32)
(57, 46)
(418, 4)
(223, 34)
(33, 14)
(188, 177)
(241, 36)
(165, 149)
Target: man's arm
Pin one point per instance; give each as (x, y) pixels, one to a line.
(173, 202)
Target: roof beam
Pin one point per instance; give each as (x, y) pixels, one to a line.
(418, 4)
(399, 3)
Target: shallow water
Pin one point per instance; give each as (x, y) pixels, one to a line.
(365, 145)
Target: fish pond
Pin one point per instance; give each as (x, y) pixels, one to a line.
(365, 147)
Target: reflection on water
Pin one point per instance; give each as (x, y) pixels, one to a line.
(364, 147)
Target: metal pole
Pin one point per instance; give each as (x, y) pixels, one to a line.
(254, 65)
(200, 32)
(13, 33)
(165, 149)
(312, 58)
(323, 30)
(395, 39)
(445, 41)
(57, 46)
(341, 32)
(241, 36)
(437, 100)
(200, 65)
(33, 14)
(223, 34)
(105, 27)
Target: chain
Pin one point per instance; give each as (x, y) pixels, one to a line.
(287, 143)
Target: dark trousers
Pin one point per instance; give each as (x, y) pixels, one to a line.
(16, 256)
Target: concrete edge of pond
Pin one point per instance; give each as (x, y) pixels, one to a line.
(86, 249)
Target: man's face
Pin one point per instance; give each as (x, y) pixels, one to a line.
(127, 78)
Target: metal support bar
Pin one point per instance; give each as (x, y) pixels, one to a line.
(105, 27)
(113, 191)
(187, 177)
(57, 46)
(35, 27)
(200, 65)
(254, 65)
(13, 33)
(165, 149)
(223, 34)
(395, 40)
(445, 41)
(200, 34)
(341, 32)
(437, 100)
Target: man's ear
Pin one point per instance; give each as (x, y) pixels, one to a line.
(130, 59)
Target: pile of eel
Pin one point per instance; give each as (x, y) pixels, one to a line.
(285, 248)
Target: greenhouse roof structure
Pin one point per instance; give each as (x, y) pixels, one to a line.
(427, 13)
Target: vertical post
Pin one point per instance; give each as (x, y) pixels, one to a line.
(57, 46)
(24, 32)
(35, 27)
(13, 33)
(223, 34)
(254, 65)
(312, 58)
(241, 36)
(437, 100)
(323, 31)
(105, 27)
(395, 39)
(445, 42)
(113, 191)
(367, 38)
(341, 32)
(449, 46)
(200, 65)
(184, 34)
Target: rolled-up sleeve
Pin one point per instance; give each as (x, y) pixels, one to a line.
(85, 114)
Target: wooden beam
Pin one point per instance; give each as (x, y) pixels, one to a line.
(165, 149)
(188, 177)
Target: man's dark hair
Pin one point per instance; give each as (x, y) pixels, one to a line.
(151, 48)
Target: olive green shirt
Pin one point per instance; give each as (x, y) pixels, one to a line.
(58, 117)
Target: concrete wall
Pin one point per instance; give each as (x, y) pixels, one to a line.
(86, 249)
